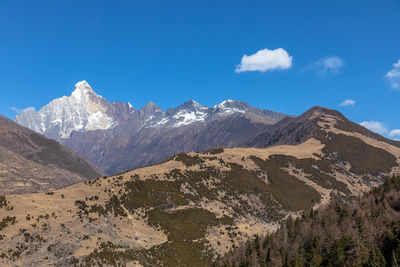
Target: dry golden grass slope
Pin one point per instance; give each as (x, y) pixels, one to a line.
(193, 208)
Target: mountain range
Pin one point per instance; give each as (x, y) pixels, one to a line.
(195, 207)
(117, 137)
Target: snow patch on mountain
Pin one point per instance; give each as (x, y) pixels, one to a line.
(227, 107)
(99, 120)
(223, 103)
(162, 121)
(185, 118)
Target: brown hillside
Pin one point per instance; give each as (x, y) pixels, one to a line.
(30, 162)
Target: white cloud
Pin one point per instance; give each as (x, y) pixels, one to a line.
(332, 63)
(395, 132)
(393, 76)
(327, 65)
(375, 126)
(31, 109)
(18, 110)
(382, 129)
(347, 102)
(265, 60)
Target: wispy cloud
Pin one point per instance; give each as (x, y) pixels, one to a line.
(395, 132)
(375, 126)
(265, 60)
(18, 110)
(393, 76)
(347, 102)
(382, 129)
(327, 65)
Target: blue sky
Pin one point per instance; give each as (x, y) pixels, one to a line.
(170, 51)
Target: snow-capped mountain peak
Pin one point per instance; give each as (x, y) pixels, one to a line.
(183, 115)
(230, 106)
(83, 110)
(83, 85)
(187, 113)
(81, 90)
(190, 105)
(223, 103)
(196, 105)
(193, 112)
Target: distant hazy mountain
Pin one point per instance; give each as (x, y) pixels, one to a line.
(29, 162)
(117, 137)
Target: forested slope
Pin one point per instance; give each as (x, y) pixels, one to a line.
(365, 232)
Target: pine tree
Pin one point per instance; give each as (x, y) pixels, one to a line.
(315, 257)
(300, 258)
(376, 258)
